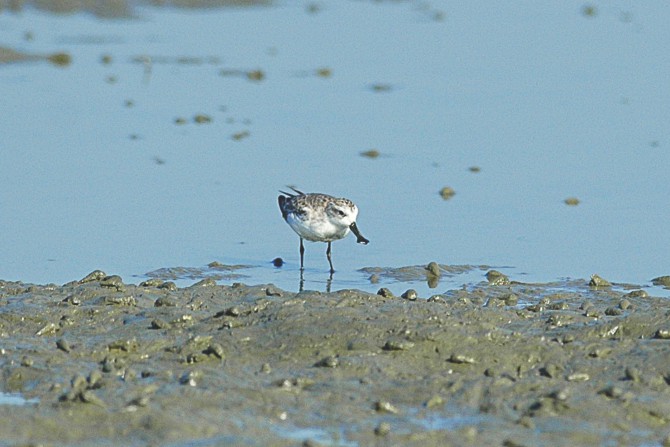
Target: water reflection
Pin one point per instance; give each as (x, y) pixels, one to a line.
(301, 285)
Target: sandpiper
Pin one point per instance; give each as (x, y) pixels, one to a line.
(319, 218)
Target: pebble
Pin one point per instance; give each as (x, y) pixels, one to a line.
(495, 278)
(384, 406)
(89, 397)
(434, 269)
(328, 362)
(434, 401)
(157, 323)
(511, 299)
(578, 377)
(386, 293)
(205, 282)
(383, 429)
(550, 370)
(613, 311)
(94, 379)
(409, 295)
(461, 359)
(125, 345)
(663, 334)
(72, 299)
(612, 391)
(233, 311)
(165, 301)
(597, 281)
(113, 281)
(49, 329)
(216, 349)
(95, 275)
(27, 361)
(153, 282)
(169, 285)
(398, 345)
(63, 345)
(535, 308)
(128, 300)
(637, 294)
(190, 378)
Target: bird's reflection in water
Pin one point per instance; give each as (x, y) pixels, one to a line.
(301, 287)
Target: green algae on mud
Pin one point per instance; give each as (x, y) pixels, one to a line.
(255, 365)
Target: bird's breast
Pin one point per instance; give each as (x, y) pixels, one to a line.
(316, 230)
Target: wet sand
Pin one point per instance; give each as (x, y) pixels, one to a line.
(509, 364)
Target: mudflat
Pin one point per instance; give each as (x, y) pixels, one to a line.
(499, 363)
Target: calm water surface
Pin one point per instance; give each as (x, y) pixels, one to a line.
(104, 166)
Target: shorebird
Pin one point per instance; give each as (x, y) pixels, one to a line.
(319, 218)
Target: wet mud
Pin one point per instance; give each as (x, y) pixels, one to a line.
(499, 363)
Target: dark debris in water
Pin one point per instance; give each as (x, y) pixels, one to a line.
(7, 55)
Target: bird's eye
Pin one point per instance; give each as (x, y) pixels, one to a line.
(340, 213)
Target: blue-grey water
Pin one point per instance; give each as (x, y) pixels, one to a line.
(549, 100)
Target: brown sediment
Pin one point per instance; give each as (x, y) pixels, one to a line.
(507, 364)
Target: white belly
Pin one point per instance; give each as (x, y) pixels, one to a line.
(317, 230)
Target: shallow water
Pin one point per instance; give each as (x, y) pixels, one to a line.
(15, 399)
(547, 101)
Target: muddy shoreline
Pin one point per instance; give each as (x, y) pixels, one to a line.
(511, 364)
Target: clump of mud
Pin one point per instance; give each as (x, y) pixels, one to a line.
(509, 364)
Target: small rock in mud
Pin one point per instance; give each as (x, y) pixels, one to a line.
(386, 293)
(597, 281)
(434, 269)
(95, 275)
(383, 406)
(461, 359)
(383, 429)
(495, 278)
(409, 295)
(663, 334)
(328, 362)
(398, 345)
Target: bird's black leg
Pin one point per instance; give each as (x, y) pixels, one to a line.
(332, 270)
(302, 254)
